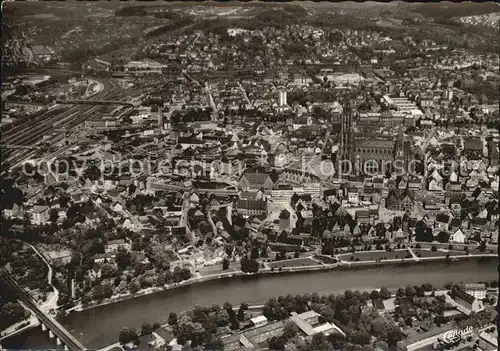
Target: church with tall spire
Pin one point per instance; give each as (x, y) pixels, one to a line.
(346, 132)
(367, 152)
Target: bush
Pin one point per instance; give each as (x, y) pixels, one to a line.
(127, 335)
(433, 248)
(418, 246)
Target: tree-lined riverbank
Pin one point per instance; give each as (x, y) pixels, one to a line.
(99, 326)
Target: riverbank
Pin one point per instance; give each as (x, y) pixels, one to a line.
(100, 326)
(259, 307)
(344, 265)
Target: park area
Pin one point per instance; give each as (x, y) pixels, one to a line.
(217, 269)
(294, 262)
(375, 255)
(429, 253)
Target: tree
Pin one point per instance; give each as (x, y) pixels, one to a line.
(254, 253)
(139, 269)
(384, 293)
(422, 233)
(249, 265)
(277, 343)
(12, 312)
(410, 291)
(360, 338)
(379, 328)
(380, 345)
(394, 335)
(123, 259)
(172, 319)
(374, 295)
(427, 287)
(127, 335)
(108, 270)
(227, 306)
(215, 343)
(134, 287)
(337, 340)
(181, 274)
(241, 314)
(419, 291)
(53, 215)
(234, 324)
(290, 330)
(98, 293)
(433, 248)
(146, 328)
(225, 264)
(161, 262)
(320, 342)
(222, 318)
(107, 291)
(482, 246)
(161, 279)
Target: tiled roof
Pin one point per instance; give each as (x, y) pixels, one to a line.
(256, 178)
(458, 292)
(255, 205)
(442, 218)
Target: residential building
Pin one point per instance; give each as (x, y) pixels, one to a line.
(478, 290)
(251, 207)
(40, 214)
(114, 246)
(467, 301)
(255, 181)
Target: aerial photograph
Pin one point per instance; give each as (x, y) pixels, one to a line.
(249, 175)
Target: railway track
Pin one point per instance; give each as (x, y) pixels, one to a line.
(18, 156)
(33, 131)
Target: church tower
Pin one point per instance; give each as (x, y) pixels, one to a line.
(160, 118)
(400, 154)
(345, 147)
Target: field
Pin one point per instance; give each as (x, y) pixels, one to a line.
(294, 262)
(429, 253)
(374, 255)
(205, 271)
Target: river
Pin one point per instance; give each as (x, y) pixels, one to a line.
(100, 326)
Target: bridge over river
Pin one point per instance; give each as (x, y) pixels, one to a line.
(56, 330)
(100, 326)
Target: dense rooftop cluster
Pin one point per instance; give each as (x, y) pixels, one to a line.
(226, 155)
